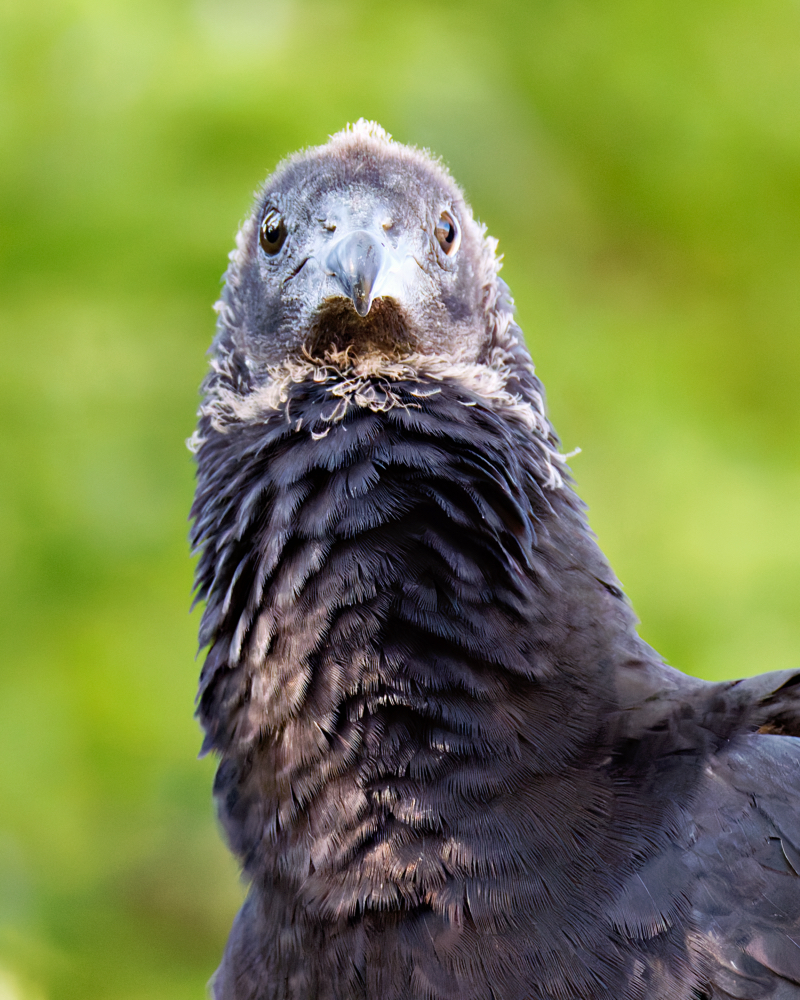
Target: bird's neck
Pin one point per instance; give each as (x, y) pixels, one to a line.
(401, 593)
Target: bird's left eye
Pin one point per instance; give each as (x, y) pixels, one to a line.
(447, 233)
(273, 233)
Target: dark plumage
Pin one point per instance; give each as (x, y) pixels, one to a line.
(449, 765)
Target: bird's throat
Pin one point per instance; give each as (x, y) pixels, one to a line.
(339, 330)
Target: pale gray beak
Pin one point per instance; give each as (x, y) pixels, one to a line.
(358, 261)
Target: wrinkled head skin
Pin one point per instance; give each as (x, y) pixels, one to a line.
(361, 203)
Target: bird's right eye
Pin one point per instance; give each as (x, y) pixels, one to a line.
(273, 233)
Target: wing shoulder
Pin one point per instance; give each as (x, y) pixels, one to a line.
(744, 862)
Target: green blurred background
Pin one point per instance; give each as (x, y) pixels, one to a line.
(640, 163)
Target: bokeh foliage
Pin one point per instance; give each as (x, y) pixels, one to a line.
(640, 162)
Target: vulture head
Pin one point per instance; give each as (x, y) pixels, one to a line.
(366, 246)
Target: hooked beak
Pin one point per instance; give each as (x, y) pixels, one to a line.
(360, 261)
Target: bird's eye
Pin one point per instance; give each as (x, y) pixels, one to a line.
(273, 233)
(447, 233)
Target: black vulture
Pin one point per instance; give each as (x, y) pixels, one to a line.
(449, 765)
